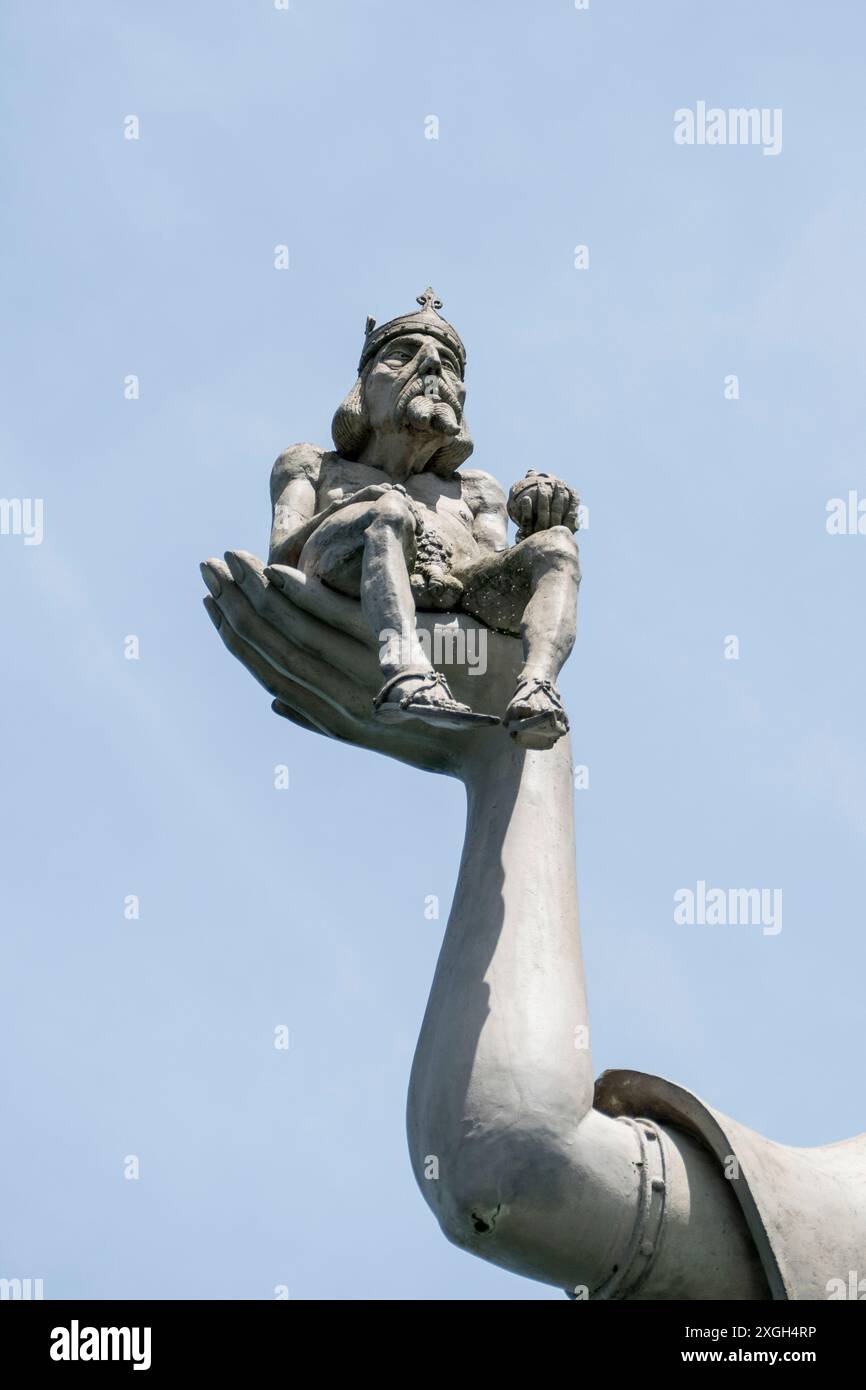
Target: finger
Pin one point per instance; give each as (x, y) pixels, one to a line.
(542, 505)
(310, 670)
(211, 579)
(287, 712)
(329, 607)
(273, 681)
(314, 713)
(306, 707)
(572, 515)
(558, 504)
(375, 739)
(524, 513)
(302, 707)
(309, 633)
(213, 612)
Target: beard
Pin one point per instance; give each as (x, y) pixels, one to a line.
(429, 405)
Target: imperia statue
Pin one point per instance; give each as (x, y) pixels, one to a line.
(390, 517)
(625, 1188)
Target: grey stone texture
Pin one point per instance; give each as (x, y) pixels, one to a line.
(390, 572)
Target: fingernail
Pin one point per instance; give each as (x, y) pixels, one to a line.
(210, 578)
(213, 612)
(236, 567)
(273, 576)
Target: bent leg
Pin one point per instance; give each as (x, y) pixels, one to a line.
(367, 550)
(532, 589)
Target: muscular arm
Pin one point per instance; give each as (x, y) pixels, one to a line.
(529, 1175)
(486, 501)
(294, 479)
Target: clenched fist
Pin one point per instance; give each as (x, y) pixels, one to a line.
(540, 501)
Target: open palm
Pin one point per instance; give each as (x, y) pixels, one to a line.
(312, 650)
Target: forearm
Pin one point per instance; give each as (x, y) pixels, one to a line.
(289, 538)
(502, 1083)
(527, 1174)
(511, 959)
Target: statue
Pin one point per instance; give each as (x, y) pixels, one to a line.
(628, 1188)
(388, 519)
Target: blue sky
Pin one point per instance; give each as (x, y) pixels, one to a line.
(707, 518)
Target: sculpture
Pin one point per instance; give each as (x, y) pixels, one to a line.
(628, 1189)
(388, 519)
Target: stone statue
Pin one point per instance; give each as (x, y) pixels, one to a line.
(630, 1188)
(386, 518)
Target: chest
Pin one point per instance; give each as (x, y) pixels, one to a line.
(440, 497)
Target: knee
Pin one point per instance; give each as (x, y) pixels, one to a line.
(559, 542)
(555, 548)
(392, 510)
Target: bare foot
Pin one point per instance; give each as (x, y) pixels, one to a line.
(441, 592)
(536, 717)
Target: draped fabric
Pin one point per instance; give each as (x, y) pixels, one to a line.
(805, 1208)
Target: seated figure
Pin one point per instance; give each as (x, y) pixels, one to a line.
(390, 517)
(624, 1188)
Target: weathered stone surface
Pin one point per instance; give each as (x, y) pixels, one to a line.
(393, 614)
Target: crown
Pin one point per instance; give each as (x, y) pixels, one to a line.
(426, 320)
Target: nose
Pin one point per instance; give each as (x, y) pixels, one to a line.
(430, 363)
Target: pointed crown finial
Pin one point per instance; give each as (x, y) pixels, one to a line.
(428, 300)
(426, 320)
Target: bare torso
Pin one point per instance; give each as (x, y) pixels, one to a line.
(403, 538)
(441, 503)
(458, 521)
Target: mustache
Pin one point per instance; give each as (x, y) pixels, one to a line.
(440, 393)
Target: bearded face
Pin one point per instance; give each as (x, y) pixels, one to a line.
(413, 384)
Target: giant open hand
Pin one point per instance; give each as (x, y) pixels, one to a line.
(312, 651)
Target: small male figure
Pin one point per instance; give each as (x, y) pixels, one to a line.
(386, 517)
